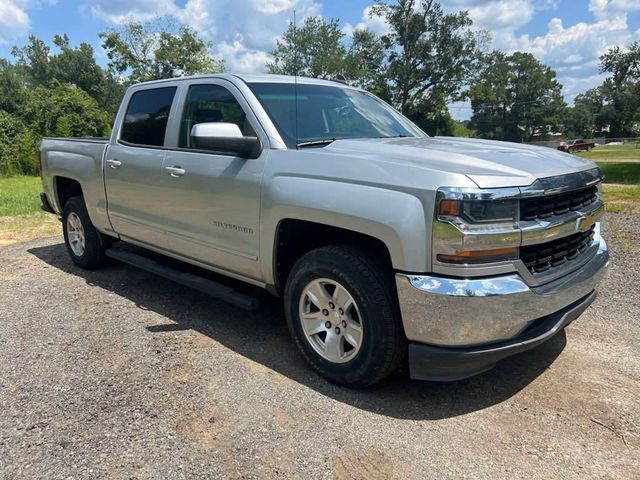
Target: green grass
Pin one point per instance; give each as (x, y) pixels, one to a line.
(622, 198)
(19, 196)
(611, 153)
(21, 218)
(621, 172)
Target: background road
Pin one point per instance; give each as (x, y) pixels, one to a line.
(119, 374)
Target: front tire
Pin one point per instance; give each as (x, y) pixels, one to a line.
(86, 246)
(342, 313)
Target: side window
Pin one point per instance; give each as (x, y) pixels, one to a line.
(145, 122)
(211, 103)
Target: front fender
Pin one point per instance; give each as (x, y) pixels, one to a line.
(396, 218)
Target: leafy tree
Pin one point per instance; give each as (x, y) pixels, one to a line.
(585, 118)
(364, 60)
(314, 50)
(12, 87)
(621, 91)
(113, 89)
(70, 65)
(624, 65)
(430, 53)
(158, 49)
(515, 98)
(66, 111)
(77, 66)
(34, 60)
(18, 147)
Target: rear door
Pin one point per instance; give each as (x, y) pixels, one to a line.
(133, 165)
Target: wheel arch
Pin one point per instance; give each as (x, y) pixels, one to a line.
(296, 237)
(64, 189)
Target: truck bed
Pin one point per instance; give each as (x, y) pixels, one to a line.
(78, 159)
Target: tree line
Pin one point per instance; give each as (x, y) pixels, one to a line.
(427, 59)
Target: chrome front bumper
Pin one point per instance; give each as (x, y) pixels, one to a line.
(458, 313)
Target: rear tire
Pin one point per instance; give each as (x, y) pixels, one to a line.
(343, 315)
(86, 246)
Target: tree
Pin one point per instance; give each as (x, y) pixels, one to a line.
(585, 118)
(430, 53)
(158, 49)
(77, 66)
(623, 64)
(364, 60)
(515, 97)
(12, 87)
(18, 147)
(34, 60)
(621, 91)
(70, 65)
(313, 50)
(65, 111)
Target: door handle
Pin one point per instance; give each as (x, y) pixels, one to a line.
(113, 163)
(175, 171)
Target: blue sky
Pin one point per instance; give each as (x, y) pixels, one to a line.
(568, 35)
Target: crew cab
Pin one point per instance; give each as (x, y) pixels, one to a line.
(384, 243)
(576, 146)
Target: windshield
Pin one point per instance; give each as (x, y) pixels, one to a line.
(329, 112)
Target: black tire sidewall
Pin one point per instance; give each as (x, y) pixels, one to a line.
(375, 305)
(93, 255)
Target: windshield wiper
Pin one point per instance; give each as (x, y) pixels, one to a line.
(314, 143)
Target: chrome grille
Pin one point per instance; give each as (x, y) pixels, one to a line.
(542, 257)
(547, 206)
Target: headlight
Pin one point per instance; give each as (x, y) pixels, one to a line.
(475, 226)
(479, 211)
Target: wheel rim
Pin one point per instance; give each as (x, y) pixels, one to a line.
(75, 234)
(331, 320)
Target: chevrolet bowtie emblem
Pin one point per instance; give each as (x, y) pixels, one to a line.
(585, 223)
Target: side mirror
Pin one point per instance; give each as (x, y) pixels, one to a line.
(224, 138)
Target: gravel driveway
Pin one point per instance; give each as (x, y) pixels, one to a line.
(120, 374)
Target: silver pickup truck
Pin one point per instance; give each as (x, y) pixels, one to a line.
(384, 243)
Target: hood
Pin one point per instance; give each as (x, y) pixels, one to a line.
(488, 163)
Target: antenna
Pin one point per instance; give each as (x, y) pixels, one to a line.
(295, 75)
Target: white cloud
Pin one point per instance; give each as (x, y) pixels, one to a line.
(14, 21)
(502, 14)
(244, 31)
(238, 58)
(606, 8)
(574, 51)
(375, 23)
(117, 12)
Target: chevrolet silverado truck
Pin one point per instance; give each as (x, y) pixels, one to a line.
(576, 146)
(384, 243)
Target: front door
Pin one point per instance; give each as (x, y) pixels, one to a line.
(211, 202)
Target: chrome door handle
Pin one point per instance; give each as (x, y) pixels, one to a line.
(175, 171)
(113, 163)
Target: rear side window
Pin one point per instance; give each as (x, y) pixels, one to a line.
(145, 122)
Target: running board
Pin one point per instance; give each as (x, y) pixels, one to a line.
(204, 285)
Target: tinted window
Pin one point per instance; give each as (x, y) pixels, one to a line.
(316, 112)
(211, 103)
(147, 114)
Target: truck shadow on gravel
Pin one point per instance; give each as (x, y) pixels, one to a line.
(262, 336)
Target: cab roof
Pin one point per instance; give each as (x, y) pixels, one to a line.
(253, 78)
